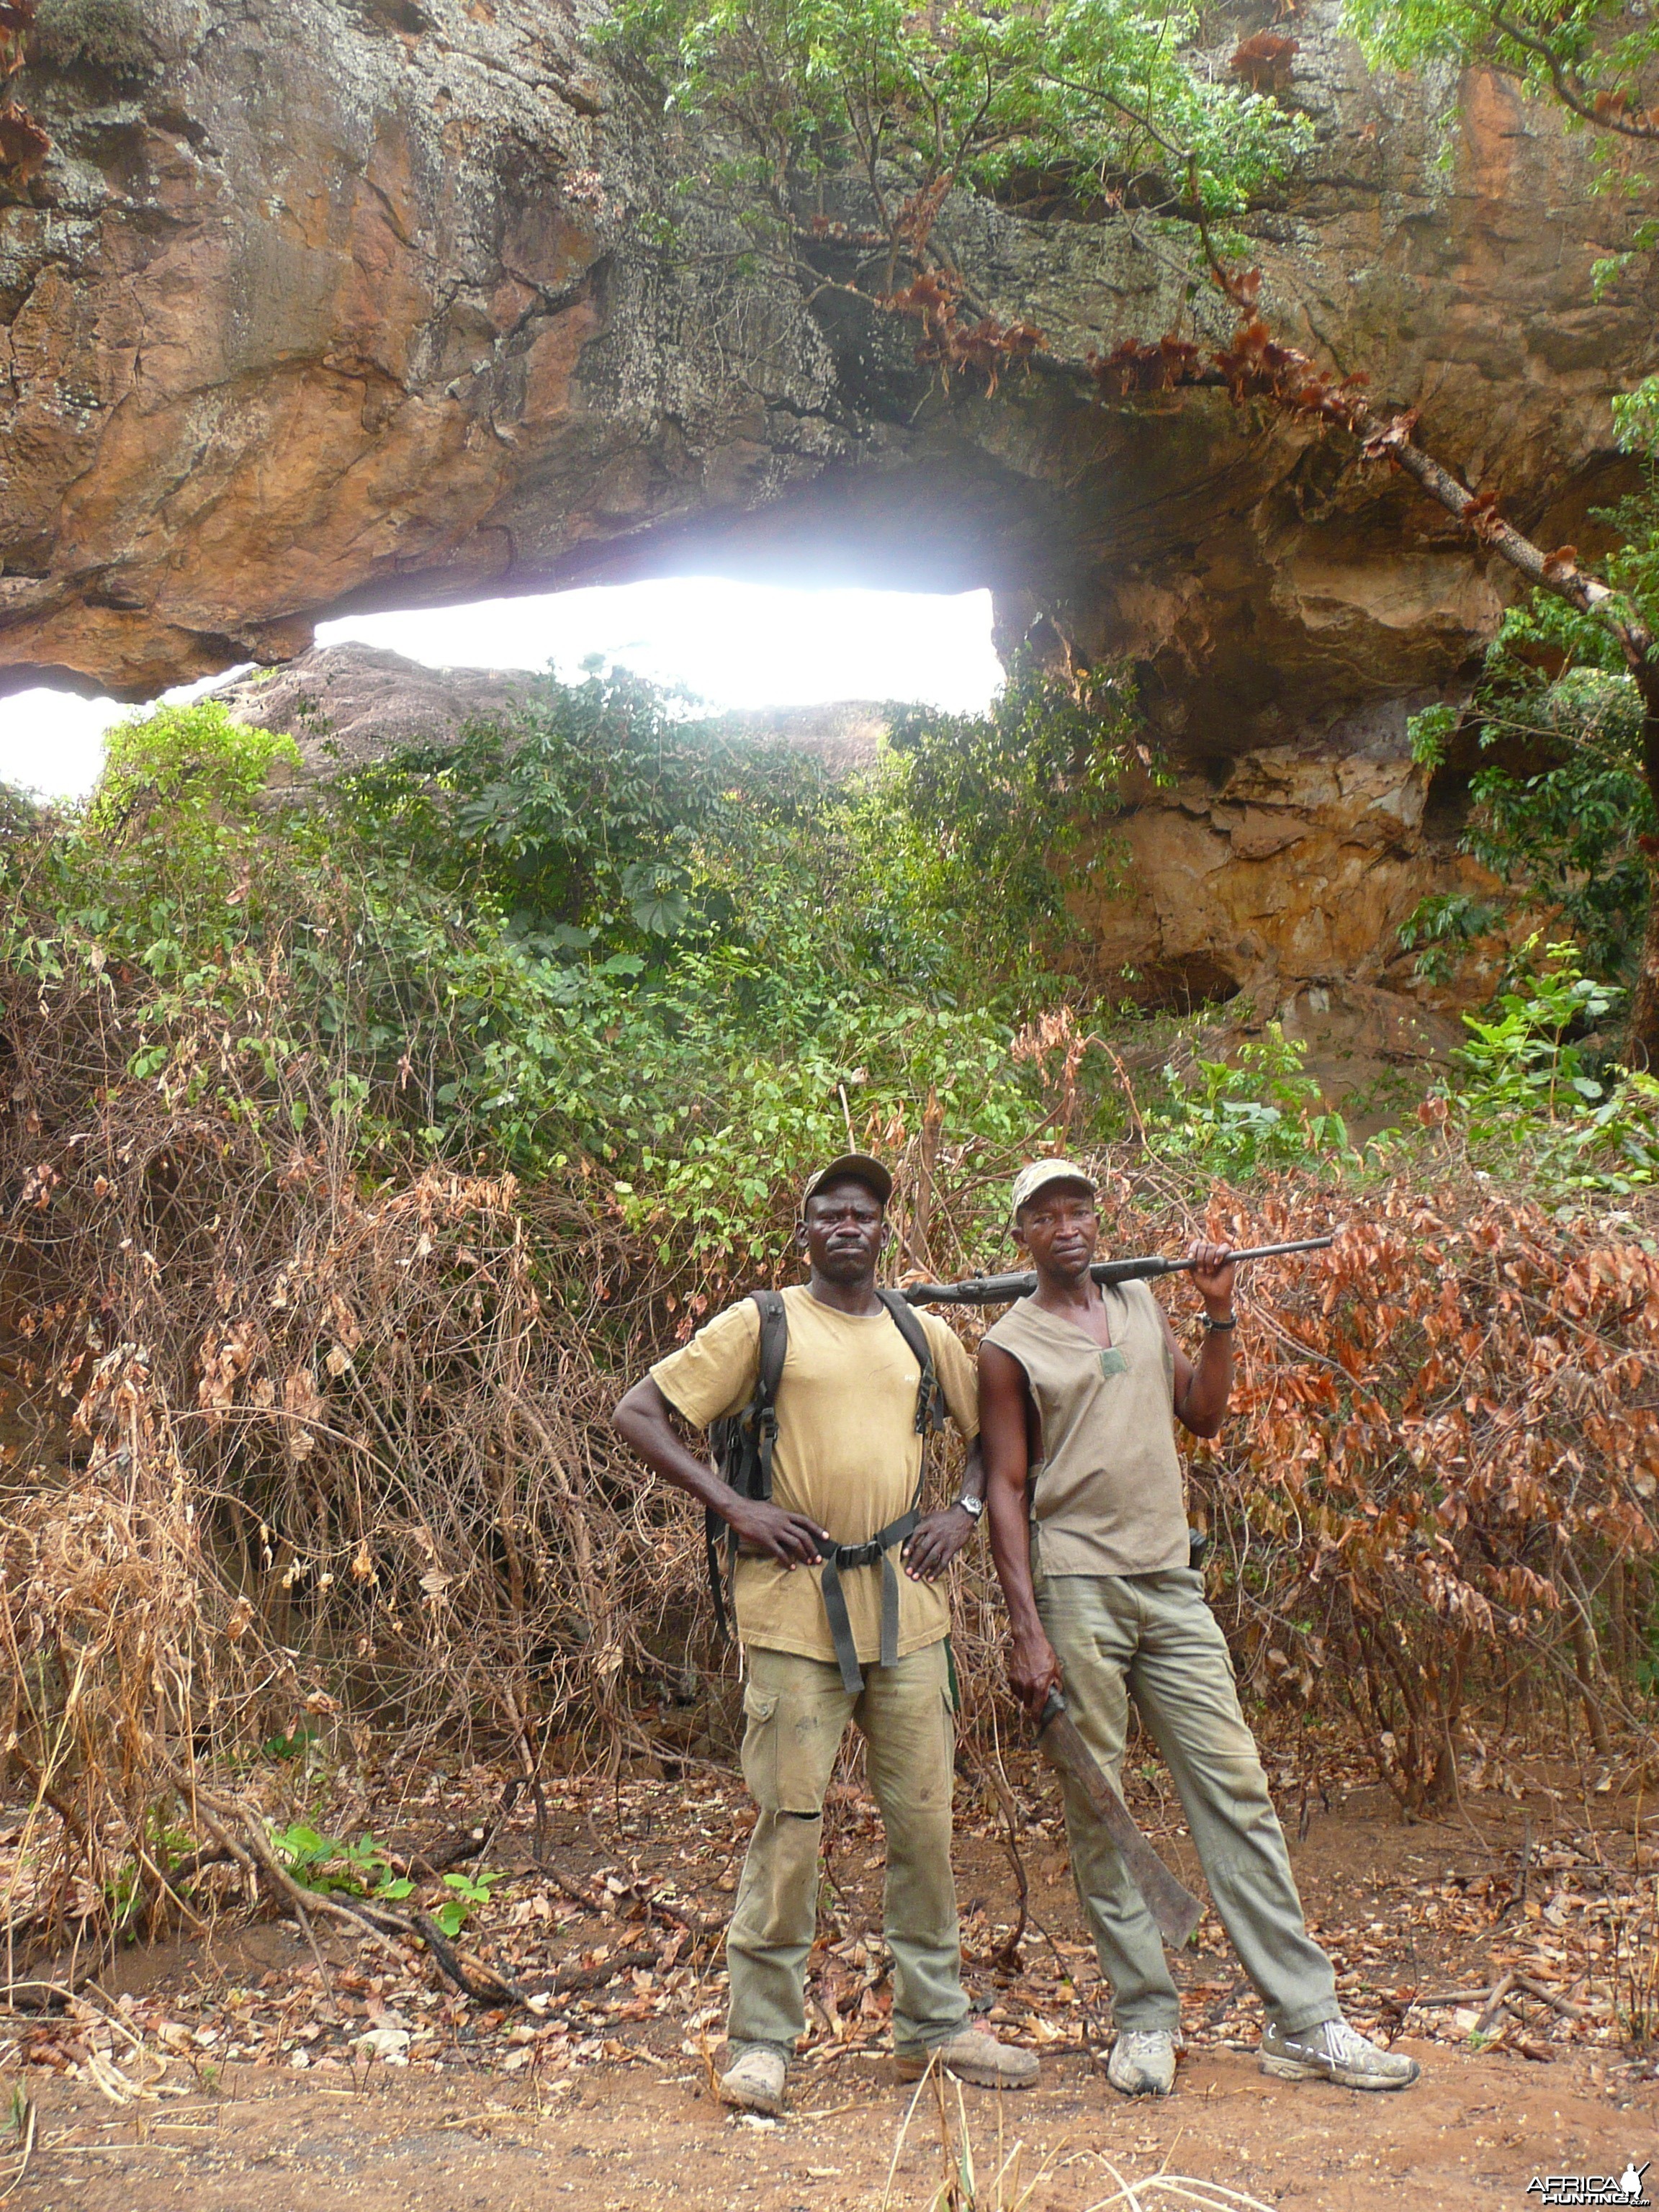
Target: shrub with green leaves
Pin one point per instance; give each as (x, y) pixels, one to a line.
(1524, 1082)
(606, 931)
(1108, 95)
(1258, 1110)
(1564, 819)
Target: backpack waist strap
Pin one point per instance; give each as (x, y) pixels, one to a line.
(847, 1557)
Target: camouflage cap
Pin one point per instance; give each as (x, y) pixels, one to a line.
(1039, 1174)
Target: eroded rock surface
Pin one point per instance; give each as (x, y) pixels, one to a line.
(1286, 869)
(346, 704)
(317, 304)
(350, 301)
(342, 303)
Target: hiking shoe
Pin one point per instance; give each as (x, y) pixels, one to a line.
(1333, 2052)
(754, 2082)
(972, 2055)
(1143, 2061)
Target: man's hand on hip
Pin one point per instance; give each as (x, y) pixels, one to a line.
(1033, 1670)
(933, 1543)
(789, 1538)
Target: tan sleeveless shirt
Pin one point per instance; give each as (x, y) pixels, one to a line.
(1106, 1497)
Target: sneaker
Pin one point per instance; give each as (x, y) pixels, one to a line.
(754, 2081)
(972, 2055)
(1333, 2052)
(1143, 2061)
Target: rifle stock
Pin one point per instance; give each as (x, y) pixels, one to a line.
(1003, 1290)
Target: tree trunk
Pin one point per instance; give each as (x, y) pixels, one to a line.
(1642, 1048)
(1642, 1045)
(1586, 1666)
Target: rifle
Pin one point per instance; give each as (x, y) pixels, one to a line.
(1003, 1290)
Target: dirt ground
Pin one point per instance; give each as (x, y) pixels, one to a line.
(227, 2073)
(1474, 2133)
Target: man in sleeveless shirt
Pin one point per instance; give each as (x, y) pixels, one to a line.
(1078, 1384)
(846, 1465)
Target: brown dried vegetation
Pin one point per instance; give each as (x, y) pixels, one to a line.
(336, 1456)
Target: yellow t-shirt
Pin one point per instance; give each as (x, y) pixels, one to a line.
(846, 1455)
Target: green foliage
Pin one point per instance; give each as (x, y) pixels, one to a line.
(1521, 1057)
(18, 813)
(608, 934)
(1430, 733)
(326, 1863)
(183, 770)
(1524, 1081)
(299, 1745)
(1441, 924)
(789, 91)
(1010, 811)
(612, 942)
(1261, 1110)
(467, 1894)
(582, 820)
(1567, 834)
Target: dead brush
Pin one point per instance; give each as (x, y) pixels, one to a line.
(122, 1652)
(343, 1450)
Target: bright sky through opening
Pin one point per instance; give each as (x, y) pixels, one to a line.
(733, 645)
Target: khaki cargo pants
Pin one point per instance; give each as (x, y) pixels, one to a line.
(1154, 1638)
(798, 1713)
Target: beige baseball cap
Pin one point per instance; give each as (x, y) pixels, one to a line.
(1039, 1174)
(851, 1167)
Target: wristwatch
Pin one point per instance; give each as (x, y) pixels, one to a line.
(973, 1507)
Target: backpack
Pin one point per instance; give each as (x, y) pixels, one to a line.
(743, 1443)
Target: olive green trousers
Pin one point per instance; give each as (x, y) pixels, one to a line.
(1154, 1638)
(796, 1713)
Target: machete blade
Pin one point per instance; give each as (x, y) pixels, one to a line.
(1170, 1903)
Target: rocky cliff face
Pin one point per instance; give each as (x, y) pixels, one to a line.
(339, 302)
(1287, 866)
(343, 303)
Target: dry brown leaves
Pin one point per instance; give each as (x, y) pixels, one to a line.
(949, 343)
(615, 1937)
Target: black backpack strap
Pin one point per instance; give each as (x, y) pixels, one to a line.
(931, 1407)
(774, 1345)
(760, 1418)
(712, 1526)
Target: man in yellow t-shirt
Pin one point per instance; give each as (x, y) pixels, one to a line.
(846, 1466)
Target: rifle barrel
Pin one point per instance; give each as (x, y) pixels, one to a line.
(1003, 1290)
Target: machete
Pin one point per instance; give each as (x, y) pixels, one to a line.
(1173, 1905)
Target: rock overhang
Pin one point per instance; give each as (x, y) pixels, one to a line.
(337, 306)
